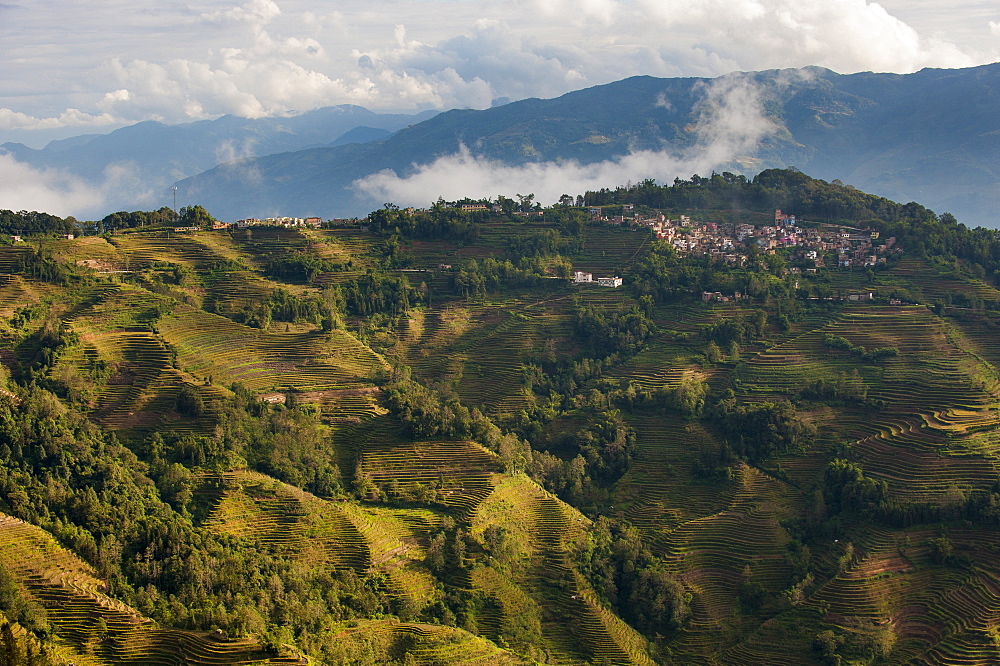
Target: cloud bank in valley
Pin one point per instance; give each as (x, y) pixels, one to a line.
(119, 62)
(23, 187)
(730, 125)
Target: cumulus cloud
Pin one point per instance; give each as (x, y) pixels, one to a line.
(730, 124)
(275, 57)
(575, 44)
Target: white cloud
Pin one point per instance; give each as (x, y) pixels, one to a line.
(995, 28)
(254, 12)
(731, 124)
(25, 188)
(122, 184)
(69, 118)
(174, 62)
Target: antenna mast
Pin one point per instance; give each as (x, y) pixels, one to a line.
(174, 188)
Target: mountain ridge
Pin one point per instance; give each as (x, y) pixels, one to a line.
(154, 154)
(833, 125)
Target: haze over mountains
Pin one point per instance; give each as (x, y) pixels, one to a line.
(932, 136)
(135, 166)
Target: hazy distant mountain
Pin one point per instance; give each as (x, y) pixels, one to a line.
(136, 165)
(932, 136)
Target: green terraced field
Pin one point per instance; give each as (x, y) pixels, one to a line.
(426, 643)
(479, 352)
(926, 281)
(210, 345)
(575, 626)
(659, 492)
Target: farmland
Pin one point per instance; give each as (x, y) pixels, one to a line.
(407, 446)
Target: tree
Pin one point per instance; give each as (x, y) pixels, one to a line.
(712, 353)
(195, 216)
(10, 650)
(189, 403)
(689, 396)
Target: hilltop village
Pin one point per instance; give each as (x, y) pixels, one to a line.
(811, 245)
(814, 245)
(806, 246)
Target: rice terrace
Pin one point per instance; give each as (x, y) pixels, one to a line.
(724, 421)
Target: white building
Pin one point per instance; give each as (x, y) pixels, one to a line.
(610, 281)
(579, 277)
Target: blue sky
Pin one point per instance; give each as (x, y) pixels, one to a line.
(71, 67)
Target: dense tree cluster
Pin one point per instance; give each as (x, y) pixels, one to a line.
(666, 277)
(476, 279)
(760, 430)
(622, 331)
(37, 264)
(740, 328)
(634, 582)
(440, 221)
(163, 217)
(302, 267)
(425, 414)
(132, 518)
(32, 222)
(847, 488)
(378, 293)
(873, 355)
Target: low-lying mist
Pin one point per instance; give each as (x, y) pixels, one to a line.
(729, 125)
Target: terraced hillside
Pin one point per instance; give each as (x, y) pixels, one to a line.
(576, 626)
(660, 491)
(455, 474)
(209, 345)
(91, 628)
(479, 352)
(325, 534)
(531, 471)
(117, 366)
(935, 284)
(611, 252)
(423, 643)
(934, 396)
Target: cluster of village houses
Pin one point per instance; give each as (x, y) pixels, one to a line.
(727, 241)
(285, 222)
